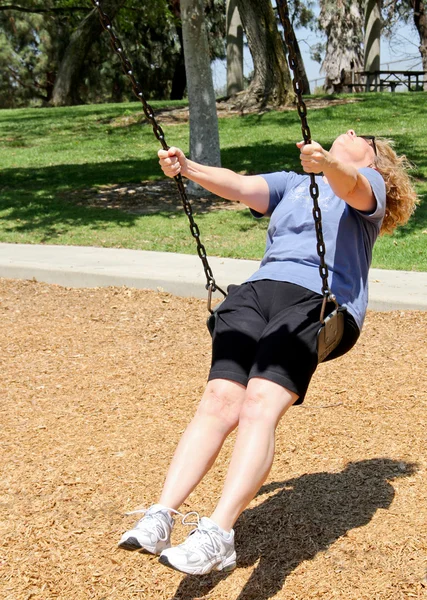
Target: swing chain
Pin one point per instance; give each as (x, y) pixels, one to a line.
(117, 46)
(283, 9)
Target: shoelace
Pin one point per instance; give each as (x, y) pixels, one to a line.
(154, 516)
(193, 539)
(193, 536)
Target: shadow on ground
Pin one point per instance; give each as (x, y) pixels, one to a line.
(302, 517)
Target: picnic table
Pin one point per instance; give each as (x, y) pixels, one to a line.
(381, 80)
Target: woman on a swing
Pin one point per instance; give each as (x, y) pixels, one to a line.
(264, 344)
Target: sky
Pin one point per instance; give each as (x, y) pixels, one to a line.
(399, 53)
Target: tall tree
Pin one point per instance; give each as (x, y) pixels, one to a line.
(234, 49)
(372, 38)
(342, 21)
(271, 83)
(32, 38)
(41, 41)
(215, 26)
(420, 20)
(66, 89)
(204, 136)
(179, 81)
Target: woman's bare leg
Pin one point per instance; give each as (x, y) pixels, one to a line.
(265, 403)
(216, 416)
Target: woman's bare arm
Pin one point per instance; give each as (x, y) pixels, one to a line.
(345, 180)
(251, 190)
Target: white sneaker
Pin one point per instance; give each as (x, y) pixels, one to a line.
(151, 533)
(206, 549)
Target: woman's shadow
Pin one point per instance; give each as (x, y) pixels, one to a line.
(305, 516)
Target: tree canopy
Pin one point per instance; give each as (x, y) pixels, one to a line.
(35, 36)
(52, 51)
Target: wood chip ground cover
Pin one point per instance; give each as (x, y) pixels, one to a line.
(96, 388)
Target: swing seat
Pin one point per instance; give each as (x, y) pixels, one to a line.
(330, 333)
(211, 320)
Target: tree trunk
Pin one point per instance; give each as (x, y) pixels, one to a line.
(372, 38)
(66, 88)
(204, 136)
(234, 49)
(271, 84)
(420, 20)
(179, 80)
(301, 67)
(342, 21)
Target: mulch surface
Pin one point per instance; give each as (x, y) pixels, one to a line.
(97, 386)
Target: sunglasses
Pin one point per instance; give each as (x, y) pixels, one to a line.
(371, 141)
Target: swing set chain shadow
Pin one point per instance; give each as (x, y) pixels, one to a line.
(283, 9)
(117, 47)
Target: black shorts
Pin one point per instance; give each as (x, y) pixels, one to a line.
(269, 329)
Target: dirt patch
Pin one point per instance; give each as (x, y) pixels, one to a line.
(97, 387)
(147, 198)
(225, 108)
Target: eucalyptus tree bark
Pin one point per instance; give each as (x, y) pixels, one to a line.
(420, 20)
(271, 84)
(342, 21)
(204, 136)
(372, 38)
(66, 88)
(234, 49)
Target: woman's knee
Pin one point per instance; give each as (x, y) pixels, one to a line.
(265, 401)
(222, 400)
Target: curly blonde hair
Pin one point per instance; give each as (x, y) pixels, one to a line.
(401, 196)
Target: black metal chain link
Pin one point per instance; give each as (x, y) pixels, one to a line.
(290, 40)
(117, 46)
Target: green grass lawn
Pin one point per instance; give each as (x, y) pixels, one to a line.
(47, 155)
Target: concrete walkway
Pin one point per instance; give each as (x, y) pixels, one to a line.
(180, 274)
